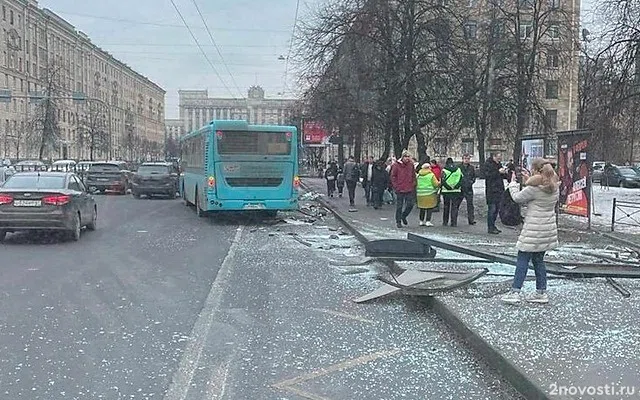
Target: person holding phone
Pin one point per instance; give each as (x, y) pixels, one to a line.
(540, 231)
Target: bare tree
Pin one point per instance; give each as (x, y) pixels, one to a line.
(609, 89)
(44, 126)
(92, 129)
(384, 66)
(172, 147)
(130, 139)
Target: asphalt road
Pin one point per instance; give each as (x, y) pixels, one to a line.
(159, 304)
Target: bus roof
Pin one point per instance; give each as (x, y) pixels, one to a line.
(239, 125)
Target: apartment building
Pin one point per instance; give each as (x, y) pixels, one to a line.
(37, 44)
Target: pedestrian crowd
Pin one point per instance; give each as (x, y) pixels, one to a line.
(430, 186)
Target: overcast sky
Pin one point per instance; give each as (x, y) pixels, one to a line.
(149, 36)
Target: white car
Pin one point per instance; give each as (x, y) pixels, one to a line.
(63, 166)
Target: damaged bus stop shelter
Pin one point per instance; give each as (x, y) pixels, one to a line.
(423, 282)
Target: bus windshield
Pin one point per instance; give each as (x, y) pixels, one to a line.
(254, 143)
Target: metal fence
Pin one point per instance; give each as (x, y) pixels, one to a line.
(625, 213)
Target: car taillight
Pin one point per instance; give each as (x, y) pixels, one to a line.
(296, 182)
(5, 199)
(57, 200)
(211, 181)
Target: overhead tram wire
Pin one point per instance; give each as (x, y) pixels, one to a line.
(200, 47)
(138, 22)
(286, 61)
(206, 26)
(189, 45)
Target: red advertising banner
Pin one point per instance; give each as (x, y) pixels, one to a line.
(314, 133)
(573, 171)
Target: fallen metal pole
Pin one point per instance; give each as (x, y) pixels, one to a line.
(576, 270)
(619, 288)
(433, 260)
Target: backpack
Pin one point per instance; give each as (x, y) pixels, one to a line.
(510, 214)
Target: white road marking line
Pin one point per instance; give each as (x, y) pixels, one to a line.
(288, 383)
(182, 378)
(344, 315)
(218, 381)
(305, 395)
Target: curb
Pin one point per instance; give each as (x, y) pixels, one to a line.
(510, 372)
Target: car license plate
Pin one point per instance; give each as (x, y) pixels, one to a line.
(27, 203)
(254, 207)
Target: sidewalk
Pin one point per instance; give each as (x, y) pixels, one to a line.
(585, 338)
(381, 223)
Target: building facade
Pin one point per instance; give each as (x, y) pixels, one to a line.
(197, 108)
(174, 128)
(40, 50)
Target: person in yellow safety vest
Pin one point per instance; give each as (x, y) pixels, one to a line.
(451, 192)
(427, 193)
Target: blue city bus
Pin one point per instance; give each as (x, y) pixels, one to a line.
(234, 166)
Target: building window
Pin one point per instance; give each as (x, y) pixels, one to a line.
(4, 13)
(467, 146)
(551, 89)
(554, 4)
(470, 29)
(495, 142)
(554, 32)
(11, 17)
(526, 29)
(440, 146)
(472, 3)
(551, 120)
(553, 59)
(550, 148)
(526, 3)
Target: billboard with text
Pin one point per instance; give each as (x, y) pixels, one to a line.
(314, 133)
(573, 171)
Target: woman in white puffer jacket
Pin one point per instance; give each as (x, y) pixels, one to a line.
(540, 231)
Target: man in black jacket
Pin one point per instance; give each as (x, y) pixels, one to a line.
(468, 179)
(494, 175)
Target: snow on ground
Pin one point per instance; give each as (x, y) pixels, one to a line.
(602, 208)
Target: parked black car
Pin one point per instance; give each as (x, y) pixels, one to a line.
(155, 179)
(103, 176)
(46, 201)
(620, 176)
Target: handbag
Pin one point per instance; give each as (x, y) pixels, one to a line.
(387, 197)
(510, 214)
